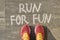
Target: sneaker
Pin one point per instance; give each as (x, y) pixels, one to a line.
(25, 32)
(39, 32)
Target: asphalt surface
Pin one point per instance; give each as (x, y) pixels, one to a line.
(11, 32)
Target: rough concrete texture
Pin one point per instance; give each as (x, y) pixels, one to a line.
(9, 7)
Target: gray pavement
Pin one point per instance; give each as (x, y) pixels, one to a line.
(9, 7)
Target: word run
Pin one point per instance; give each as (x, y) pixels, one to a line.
(20, 19)
(31, 7)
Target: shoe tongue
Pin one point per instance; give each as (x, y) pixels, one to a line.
(39, 36)
(25, 36)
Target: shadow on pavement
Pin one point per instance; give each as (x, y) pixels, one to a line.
(48, 34)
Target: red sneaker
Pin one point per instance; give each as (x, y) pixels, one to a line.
(39, 32)
(25, 32)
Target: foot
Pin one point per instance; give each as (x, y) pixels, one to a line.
(25, 32)
(39, 32)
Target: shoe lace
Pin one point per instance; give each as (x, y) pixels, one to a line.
(39, 36)
(25, 36)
